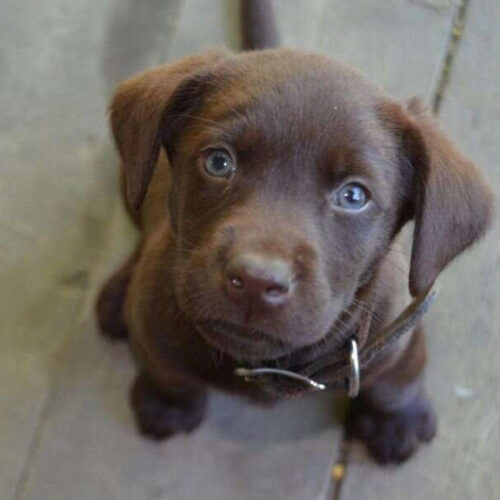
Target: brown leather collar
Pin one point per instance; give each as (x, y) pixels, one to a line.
(336, 371)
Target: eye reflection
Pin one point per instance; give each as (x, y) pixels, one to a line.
(219, 163)
(352, 197)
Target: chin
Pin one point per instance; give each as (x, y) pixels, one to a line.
(243, 343)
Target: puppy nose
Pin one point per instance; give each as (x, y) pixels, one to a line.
(259, 279)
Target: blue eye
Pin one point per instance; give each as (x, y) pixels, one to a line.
(352, 196)
(219, 163)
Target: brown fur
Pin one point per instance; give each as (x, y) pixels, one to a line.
(299, 125)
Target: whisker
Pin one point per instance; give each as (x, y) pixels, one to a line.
(366, 308)
(397, 267)
(398, 250)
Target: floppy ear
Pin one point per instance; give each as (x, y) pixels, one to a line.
(451, 203)
(138, 115)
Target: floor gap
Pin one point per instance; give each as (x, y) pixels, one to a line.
(454, 39)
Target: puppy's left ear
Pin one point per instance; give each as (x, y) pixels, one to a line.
(147, 107)
(450, 201)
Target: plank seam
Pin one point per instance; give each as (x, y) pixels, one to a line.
(455, 37)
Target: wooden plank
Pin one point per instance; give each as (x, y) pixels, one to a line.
(58, 181)
(90, 448)
(397, 44)
(463, 461)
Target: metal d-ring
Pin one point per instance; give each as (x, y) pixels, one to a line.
(354, 380)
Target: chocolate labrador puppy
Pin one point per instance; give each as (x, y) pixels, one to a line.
(270, 187)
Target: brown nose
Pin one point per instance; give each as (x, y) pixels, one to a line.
(261, 280)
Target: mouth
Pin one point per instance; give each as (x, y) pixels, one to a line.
(240, 342)
(255, 349)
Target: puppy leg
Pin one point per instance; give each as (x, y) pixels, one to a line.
(109, 305)
(393, 415)
(161, 413)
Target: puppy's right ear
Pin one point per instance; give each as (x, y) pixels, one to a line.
(450, 201)
(137, 117)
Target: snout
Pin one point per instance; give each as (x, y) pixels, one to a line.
(258, 281)
(258, 289)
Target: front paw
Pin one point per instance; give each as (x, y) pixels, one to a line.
(109, 308)
(392, 437)
(159, 415)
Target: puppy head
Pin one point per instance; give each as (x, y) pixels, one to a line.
(291, 175)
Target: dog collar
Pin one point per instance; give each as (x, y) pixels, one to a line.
(345, 368)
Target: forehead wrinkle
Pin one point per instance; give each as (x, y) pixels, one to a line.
(292, 119)
(285, 114)
(205, 132)
(229, 115)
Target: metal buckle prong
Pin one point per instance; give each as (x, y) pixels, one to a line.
(354, 380)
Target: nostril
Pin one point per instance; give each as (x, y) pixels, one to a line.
(258, 279)
(236, 282)
(277, 290)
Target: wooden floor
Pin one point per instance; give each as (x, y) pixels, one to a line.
(66, 432)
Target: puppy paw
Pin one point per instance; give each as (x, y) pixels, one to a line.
(109, 309)
(392, 437)
(159, 416)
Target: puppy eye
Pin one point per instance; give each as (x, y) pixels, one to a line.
(219, 163)
(352, 196)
